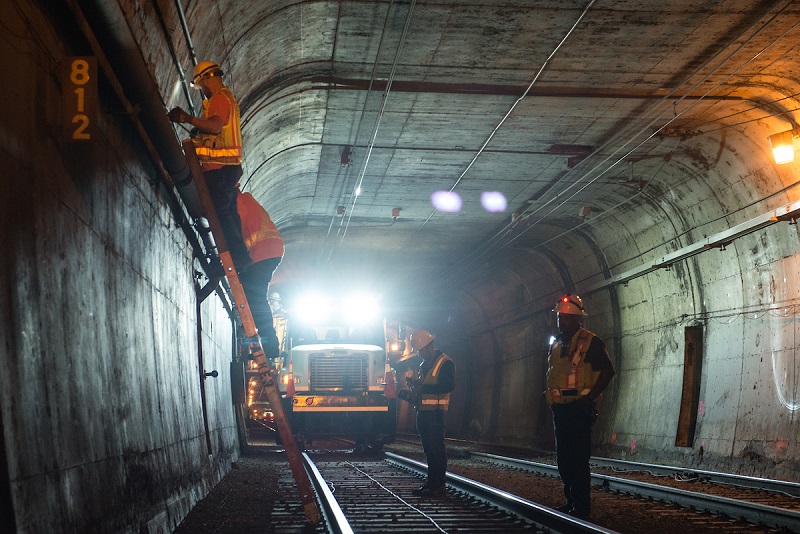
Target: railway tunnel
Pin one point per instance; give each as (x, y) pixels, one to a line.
(470, 161)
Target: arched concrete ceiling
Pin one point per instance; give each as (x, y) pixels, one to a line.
(653, 116)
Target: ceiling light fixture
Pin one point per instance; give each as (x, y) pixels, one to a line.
(782, 146)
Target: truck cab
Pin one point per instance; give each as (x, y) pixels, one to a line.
(337, 366)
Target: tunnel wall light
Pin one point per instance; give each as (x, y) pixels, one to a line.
(782, 147)
(789, 212)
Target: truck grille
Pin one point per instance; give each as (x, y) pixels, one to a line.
(338, 372)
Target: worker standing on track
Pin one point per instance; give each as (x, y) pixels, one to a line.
(218, 143)
(430, 394)
(265, 245)
(580, 370)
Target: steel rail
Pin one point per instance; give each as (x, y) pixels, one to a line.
(766, 484)
(541, 515)
(334, 517)
(758, 514)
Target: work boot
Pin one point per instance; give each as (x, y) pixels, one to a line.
(580, 514)
(434, 491)
(565, 508)
(420, 489)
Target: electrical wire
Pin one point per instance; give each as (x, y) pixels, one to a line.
(508, 113)
(492, 241)
(360, 122)
(357, 189)
(378, 483)
(659, 116)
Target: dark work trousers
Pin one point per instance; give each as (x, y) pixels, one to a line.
(255, 282)
(222, 188)
(430, 425)
(573, 430)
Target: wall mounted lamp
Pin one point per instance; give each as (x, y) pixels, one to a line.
(782, 148)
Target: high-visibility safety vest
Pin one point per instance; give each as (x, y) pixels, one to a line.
(431, 401)
(258, 231)
(570, 378)
(224, 148)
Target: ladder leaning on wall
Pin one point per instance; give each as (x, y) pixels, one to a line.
(265, 373)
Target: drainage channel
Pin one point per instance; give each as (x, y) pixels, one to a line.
(376, 496)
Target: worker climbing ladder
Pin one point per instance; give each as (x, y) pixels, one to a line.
(265, 373)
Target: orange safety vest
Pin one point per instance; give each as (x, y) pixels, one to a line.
(570, 378)
(258, 231)
(432, 401)
(224, 148)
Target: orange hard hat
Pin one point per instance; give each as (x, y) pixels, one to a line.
(420, 339)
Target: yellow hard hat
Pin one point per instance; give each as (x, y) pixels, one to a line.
(205, 69)
(571, 305)
(420, 339)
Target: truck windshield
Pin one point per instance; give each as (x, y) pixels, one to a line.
(305, 334)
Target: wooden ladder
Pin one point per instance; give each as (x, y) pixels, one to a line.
(265, 372)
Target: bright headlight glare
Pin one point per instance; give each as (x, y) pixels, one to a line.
(313, 308)
(360, 309)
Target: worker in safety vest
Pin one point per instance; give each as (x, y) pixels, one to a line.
(266, 248)
(217, 137)
(579, 372)
(430, 394)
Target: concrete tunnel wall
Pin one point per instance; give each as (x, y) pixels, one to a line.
(744, 296)
(102, 421)
(101, 410)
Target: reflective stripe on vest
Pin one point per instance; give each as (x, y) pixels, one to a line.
(259, 232)
(224, 148)
(267, 231)
(432, 401)
(570, 378)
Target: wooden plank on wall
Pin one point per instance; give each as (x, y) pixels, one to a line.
(690, 395)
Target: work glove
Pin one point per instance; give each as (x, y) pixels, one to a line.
(413, 383)
(409, 396)
(178, 115)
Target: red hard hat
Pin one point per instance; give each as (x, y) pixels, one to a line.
(571, 305)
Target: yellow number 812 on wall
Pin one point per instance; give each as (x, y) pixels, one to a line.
(80, 97)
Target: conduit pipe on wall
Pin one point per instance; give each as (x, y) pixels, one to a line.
(114, 35)
(115, 45)
(789, 212)
(174, 55)
(185, 28)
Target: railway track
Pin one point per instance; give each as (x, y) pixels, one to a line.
(761, 486)
(376, 496)
(738, 508)
(717, 502)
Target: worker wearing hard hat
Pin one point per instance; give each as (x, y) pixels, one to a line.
(579, 372)
(218, 143)
(430, 394)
